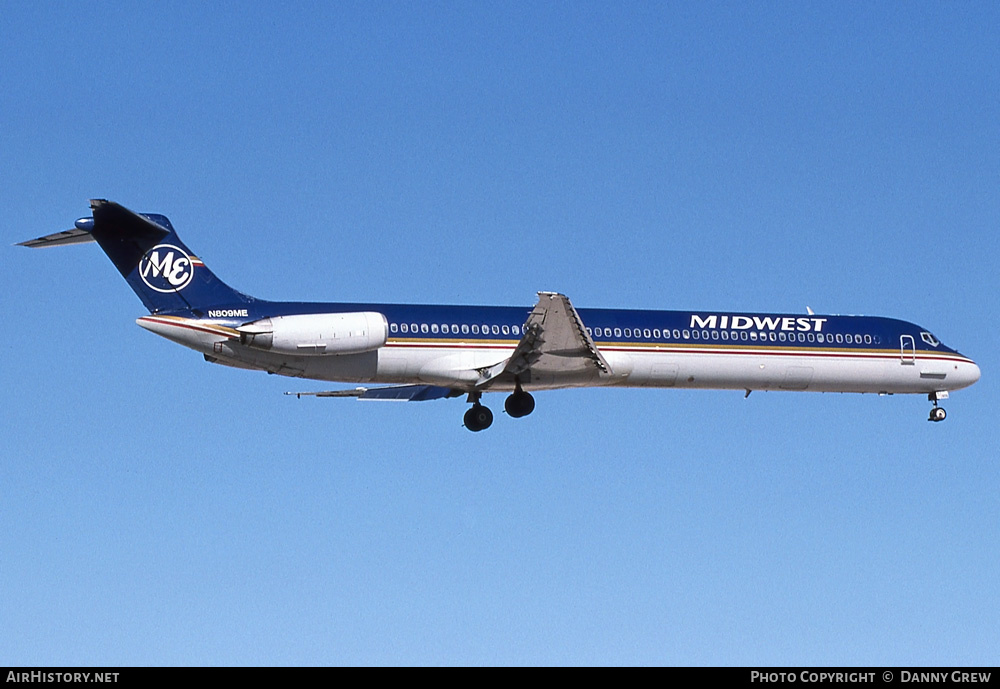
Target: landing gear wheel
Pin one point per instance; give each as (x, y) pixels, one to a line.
(478, 418)
(519, 404)
(938, 414)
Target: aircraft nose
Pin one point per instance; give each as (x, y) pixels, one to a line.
(968, 373)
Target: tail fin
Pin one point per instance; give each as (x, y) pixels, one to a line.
(157, 265)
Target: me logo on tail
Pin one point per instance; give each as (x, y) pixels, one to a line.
(166, 268)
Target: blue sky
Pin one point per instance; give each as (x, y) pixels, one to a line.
(155, 509)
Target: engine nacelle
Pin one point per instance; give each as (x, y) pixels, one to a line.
(316, 334)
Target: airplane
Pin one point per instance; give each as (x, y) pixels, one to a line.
(424, 352)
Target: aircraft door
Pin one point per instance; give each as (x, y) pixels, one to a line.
(907, 350)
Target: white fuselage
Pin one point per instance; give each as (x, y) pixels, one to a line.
(733, 366)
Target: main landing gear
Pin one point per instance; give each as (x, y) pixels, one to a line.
(519, 403)
(478, 418)
(937, 413)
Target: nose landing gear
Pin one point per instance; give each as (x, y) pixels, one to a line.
(937, 413)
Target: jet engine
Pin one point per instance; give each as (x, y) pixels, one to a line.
(317, 334)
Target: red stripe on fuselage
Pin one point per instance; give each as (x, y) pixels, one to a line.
(189, 326)
(890, 355)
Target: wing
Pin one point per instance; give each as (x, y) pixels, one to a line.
(399, 393)
(554, 349)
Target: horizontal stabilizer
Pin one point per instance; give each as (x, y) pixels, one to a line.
(74, 236)
(398, 393)
(160, 269)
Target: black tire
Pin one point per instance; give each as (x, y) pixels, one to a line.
(519, 404)
(478, 418)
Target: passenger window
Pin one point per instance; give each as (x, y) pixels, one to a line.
(505, 330)
(475, 329)
(628, 332)
(618, 332)
(404, 327)
(656, 333)
(465, 328)
(514, 330)
(434, 327)
(686, 334)
(424, 328)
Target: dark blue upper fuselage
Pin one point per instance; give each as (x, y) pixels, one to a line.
(625, 326)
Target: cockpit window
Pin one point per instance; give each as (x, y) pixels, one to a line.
(929, 339)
